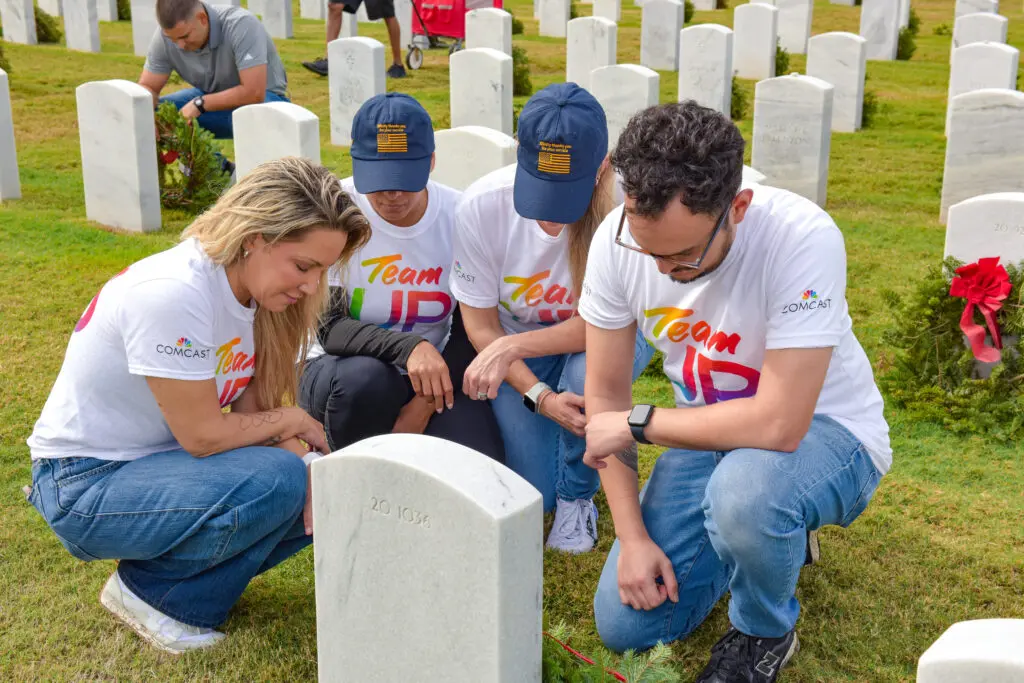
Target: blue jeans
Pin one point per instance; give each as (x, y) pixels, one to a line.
(190, 533)
(217, 122)
(738, 521)
(539, 449)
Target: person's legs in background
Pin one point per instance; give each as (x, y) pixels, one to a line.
(335, 17)
(354, 397)
(396, 70)
(575, 527)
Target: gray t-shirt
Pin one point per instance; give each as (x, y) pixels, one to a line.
(237, 41)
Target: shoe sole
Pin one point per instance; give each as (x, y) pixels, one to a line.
(793, 649)
(312, 70)
(118, 611)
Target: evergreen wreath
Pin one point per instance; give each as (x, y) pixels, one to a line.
(931, 369)
(188, 163)
(562, 664)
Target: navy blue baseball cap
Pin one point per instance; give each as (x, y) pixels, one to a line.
(392, 143)
(563, 138)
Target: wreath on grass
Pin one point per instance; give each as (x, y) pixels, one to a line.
(961, 322)
(188, 163)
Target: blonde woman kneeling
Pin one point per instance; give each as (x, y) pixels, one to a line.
(133, 456)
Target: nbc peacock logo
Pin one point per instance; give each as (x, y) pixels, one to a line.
(186, 343)
(183, 349)
(810, 294)
(809, 301)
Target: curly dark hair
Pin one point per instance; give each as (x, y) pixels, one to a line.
(680, 149)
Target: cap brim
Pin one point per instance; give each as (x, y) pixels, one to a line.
(390, 175)
(547, 200)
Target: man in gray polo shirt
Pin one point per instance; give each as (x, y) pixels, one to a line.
(223, 52)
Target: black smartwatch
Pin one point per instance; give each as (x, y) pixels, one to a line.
(199, 104)
(638, 418)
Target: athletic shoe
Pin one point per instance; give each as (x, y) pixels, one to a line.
(813, 555)
(155, 627)
(317, 66)
(739, 658)
(396, 71)
(575, 527)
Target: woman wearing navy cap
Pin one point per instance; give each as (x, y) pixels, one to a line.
(521, 241)
(390, 348)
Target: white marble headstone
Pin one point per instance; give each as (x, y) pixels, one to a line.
(425, 541)
(970, 6)
(839, 58)
(276, 16)
(81, 26)
(590, 44)
(848, 3)
(10, 184)
(979, 651)
(106, 10)
(980, 27)
(792, 134)
(313, 9)
(554, 15)
(356, 73)
(904, 13)
(116, 128)
(754, 42)
(608, 9)
(19, 20)
(880, 26)
(794, 24)
(981, 65)
(985, 149)
(51, 7)
(705, 5)
(144, 25)
(623, 90)
(481, 89)
(273, 130)
(403, 12)
(987, 225)
(705, 66)
(349, 27)
(489, 27)
(464, 155)
(659, 34)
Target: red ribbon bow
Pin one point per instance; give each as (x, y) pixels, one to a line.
(984, 284)
(169, 156)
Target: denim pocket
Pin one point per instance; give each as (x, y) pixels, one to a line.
(72, 477)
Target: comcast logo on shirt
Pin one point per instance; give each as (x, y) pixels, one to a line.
(183, 349)
(462, 274)
(809, 301)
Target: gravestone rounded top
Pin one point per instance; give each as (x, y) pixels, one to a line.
(977, 650)
(986, 47)
(755, 9)
(369, 43)
(838, 37)
(490, 486)
(492, 12)
(478, 53)
(282, 111)
(117, 87)
(706, 28)
(591, 22)
(791, 86)
(986, 225)
(989, 97)
(624, 71)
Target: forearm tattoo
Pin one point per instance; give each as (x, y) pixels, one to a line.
(256, 420)
(629, 457)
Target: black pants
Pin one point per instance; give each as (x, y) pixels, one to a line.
(357, 397)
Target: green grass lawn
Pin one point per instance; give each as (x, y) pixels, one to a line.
(942, 542)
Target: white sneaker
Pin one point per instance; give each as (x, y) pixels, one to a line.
(155, 627)
(575, 527)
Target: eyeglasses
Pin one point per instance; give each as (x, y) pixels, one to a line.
(692, 265)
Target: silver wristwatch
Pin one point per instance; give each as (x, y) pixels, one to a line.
(531, 397)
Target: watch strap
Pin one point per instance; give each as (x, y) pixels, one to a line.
(638, 434)
(532, 397)
(200, 104)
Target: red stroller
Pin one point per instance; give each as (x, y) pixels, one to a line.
(437, 19)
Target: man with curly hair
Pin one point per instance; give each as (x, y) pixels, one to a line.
(778, 426)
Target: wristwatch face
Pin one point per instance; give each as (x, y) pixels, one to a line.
(640, 415)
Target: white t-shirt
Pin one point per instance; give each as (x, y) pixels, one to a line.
(171, 315)
(399, 280)
(503, 258)
(782, 285)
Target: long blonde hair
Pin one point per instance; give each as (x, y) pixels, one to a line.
(581, 233)
(280, 200)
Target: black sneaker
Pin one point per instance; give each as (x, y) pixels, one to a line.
(739, 658)
(813, 555)
(317, 66)
(396, 71)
